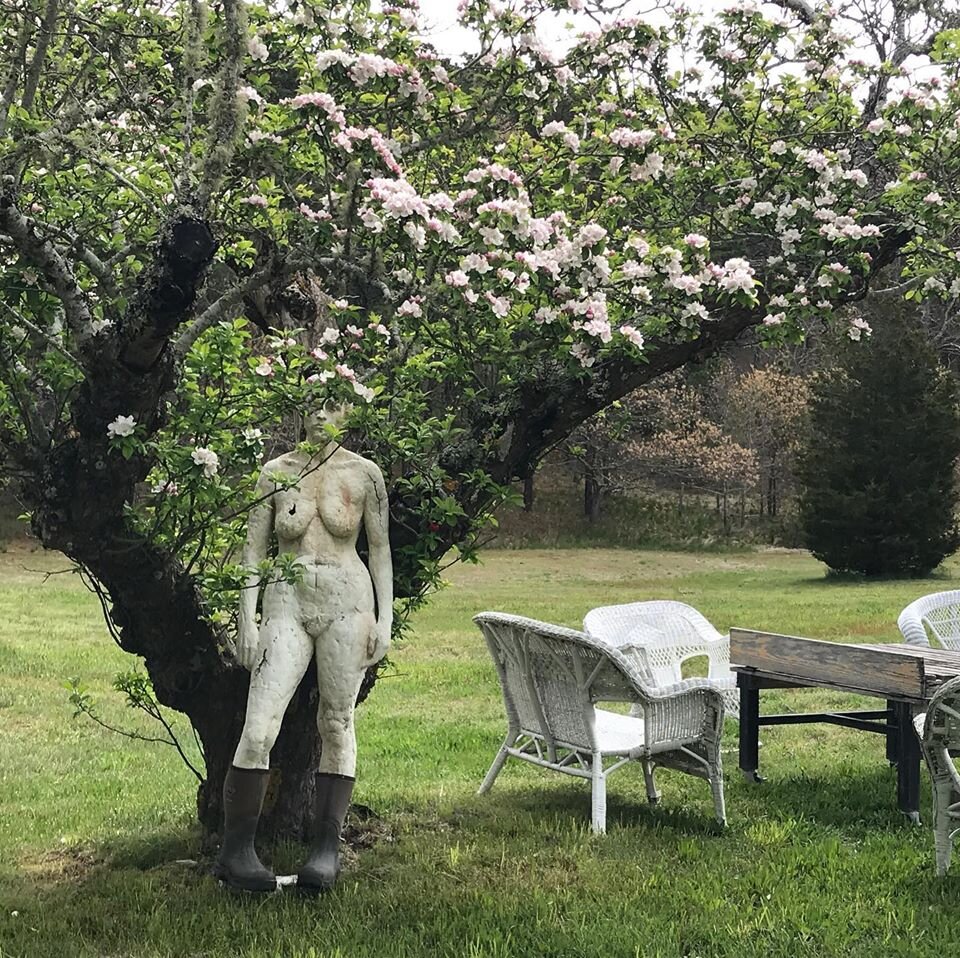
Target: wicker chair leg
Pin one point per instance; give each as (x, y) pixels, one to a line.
(498, 763)
(716, 786)
(653, 793)
(715, 766)
(599, 796)
(942, 840)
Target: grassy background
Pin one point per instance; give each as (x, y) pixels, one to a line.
(816, 861)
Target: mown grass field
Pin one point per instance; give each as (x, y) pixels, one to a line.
(815, 862)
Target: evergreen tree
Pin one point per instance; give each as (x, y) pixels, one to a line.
(879, 489)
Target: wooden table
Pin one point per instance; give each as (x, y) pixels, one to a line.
(905, 676)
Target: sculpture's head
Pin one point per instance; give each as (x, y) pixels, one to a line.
(322, 414)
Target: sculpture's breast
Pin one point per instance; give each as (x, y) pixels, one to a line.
(341, 509)
(294, 513)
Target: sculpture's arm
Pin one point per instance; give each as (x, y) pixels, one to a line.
(255, 549)
(376, 518)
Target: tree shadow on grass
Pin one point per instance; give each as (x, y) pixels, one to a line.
(831, 578)
(568, 808)
(856, 805)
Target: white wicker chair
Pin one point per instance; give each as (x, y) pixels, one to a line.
(940, 612)
(553, 677)
(660, 636)
(939, 731)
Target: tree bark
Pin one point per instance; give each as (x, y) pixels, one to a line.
(591, 486)
(529, 490)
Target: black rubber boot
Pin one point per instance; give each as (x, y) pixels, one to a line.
(237, 864)
(323, 866)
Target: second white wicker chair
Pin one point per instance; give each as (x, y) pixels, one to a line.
(552, 678)
(940, 612)
(939, 731)
(660, 636)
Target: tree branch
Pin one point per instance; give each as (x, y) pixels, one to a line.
(37, 331)
(223, 307)
(800, 7)
(227, 110)
(13, 73)
(49, 260)
(40, 54)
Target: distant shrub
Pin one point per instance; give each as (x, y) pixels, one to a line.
(878, 482)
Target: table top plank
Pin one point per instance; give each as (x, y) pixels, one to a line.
(871, 670)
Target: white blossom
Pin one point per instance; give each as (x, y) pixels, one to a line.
(122, 426)
(207, 458)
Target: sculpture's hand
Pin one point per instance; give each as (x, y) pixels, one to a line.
(248, 641)
(378, 642)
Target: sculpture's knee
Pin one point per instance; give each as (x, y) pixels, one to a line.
(339, 741)
(257, 740)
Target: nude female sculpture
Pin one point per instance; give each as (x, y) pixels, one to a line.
(339, 611)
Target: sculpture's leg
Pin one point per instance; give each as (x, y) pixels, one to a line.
(237, 863)
(341, 662)
(341, 665)
(323, 866)
(283, 657)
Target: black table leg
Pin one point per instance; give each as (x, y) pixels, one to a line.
(749, 730)
(908, 763)
(893, 729)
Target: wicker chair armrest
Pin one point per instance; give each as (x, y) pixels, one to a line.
(911, 626)
(718, 654)
(684, 716)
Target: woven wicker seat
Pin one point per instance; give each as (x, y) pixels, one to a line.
(938, 612)
(939, 731)
(552, 679)
(659, 636)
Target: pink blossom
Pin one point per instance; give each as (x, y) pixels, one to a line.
(934, 199)
(499, 304)
(410, 307)
(696, 240)
(624, 136)
(633, 335)
(256, 199)
(457, 277)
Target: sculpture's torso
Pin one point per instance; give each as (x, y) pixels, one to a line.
(319, 519)
(317, 523)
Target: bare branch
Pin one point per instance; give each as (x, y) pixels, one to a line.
(800, 7)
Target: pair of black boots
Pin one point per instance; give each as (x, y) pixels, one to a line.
(238, 866)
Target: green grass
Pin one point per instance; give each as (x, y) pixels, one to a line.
(815, 862)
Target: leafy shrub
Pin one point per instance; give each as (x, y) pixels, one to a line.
(879, 490)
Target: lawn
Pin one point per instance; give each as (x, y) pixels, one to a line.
(96, 833)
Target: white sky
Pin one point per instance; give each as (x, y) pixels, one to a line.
(439, 18)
